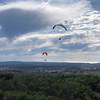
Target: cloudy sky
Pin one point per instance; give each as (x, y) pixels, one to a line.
(26, 30)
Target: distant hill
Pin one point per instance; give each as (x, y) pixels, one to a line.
(47, 66)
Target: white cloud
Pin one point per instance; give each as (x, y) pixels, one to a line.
(30, 16)
(83, 35)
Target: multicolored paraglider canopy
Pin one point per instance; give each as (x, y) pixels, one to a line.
(45, 54)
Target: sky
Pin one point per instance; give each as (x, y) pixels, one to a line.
(26, 30)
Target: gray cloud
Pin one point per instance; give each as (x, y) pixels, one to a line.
(63, 2)
(16, 21)
(32, 23)
(95, 4)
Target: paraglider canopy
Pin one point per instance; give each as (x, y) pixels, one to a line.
(61, 25)
(45, 54)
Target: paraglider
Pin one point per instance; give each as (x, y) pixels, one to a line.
(61, 25)
(60, 38)
(45, 54)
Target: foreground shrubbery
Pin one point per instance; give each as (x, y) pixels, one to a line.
(49, 87)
